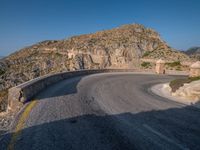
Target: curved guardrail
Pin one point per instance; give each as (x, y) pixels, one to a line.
(22, 93)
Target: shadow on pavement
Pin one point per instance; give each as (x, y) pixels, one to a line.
(176, 128)
(65, 87)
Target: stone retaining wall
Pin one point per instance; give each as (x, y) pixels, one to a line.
(20, 94)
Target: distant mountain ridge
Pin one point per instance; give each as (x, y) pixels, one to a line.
(194, 52)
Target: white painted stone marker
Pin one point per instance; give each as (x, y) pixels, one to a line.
(160, 66)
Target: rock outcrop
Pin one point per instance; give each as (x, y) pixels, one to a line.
(190, 91)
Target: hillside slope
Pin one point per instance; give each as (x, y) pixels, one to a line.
(120, 47)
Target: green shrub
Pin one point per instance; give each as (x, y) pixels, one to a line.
(146, 64)
(174, 64)
(58, 54)
(2, 72)
(194, 78)
(146, 53)
(178, 69)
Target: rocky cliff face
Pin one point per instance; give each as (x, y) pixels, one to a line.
(117, 48)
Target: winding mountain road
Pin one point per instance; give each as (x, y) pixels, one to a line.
(102, 112)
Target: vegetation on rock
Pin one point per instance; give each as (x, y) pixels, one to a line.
(176, 65)
(146, 64)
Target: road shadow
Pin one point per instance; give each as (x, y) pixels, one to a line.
(62, 88)
(175, 128)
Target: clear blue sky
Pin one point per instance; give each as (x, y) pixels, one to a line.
(25, 22)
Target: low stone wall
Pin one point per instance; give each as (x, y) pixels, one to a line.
(175, 72)
(20, 94)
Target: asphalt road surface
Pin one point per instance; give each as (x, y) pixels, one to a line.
(106, 111)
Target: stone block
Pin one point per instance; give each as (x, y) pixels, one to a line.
(195, 69)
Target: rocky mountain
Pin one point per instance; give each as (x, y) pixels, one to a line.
(194, 52)
(121, 47)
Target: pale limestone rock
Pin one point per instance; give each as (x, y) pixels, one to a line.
(50, 49)
(71, 55)
(167, 87)
(190, 91)
(195, 69)
(97, 58)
